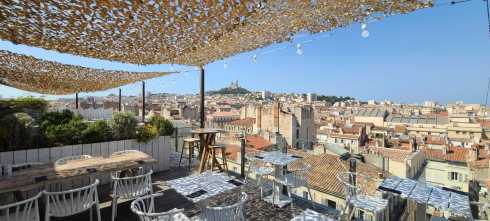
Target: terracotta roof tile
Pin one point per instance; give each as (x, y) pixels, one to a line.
(249, 121)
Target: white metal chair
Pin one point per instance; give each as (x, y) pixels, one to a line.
(233, 212)
(70, 202)
(129, 188)
(296, 178)
(144, 208)
(259, 169)
(64, 160)
(27, 210)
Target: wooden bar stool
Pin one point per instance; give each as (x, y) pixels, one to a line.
(191, 144)
(214, 162)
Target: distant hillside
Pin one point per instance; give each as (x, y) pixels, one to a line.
(230, 90)
(333, 99)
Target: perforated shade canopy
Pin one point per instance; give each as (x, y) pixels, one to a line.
(32, 74)
(187, 32)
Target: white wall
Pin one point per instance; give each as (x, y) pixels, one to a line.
(158, 148)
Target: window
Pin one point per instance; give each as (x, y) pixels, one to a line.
(453, 175)
(331, 204)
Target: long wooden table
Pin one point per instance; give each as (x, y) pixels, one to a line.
(25, 180)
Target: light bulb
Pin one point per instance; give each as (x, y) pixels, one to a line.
(363, 26)
(254, 59)
(299, 49)
(225, 65)
(365, 33)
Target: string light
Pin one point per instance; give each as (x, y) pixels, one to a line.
(254, 59)
(225, 65)
(365, 32)
(299, 49)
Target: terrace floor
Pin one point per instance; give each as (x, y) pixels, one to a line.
(255, 208)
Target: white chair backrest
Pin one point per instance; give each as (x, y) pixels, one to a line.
(67, 203)
(225, 213)
(132, 186)
(27, 210)
(117, 153)
(65, 160)
(144, 208)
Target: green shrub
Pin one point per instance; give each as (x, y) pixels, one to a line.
(124, 125)
(55, 118)
(99, 131)
(146, 133)
(65, 134)
(164, 126)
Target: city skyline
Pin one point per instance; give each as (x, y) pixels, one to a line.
(436, 54)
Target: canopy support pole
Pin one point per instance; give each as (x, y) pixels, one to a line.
(119, 108)
(202, 114)
(76, 101)
(144, 101)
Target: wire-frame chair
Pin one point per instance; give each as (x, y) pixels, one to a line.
(296, 177)
(70, 202)
(259, 168)
(144, 208)
(233, 212)
(355, 184)
(129, 188)
(26, 210)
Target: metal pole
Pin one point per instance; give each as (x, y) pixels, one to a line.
(120, 100)
(202, 116)
(242, 156)
(144, 105)
(176, 139)
(76, 101)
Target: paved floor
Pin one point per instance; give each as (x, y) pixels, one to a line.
(255, 208)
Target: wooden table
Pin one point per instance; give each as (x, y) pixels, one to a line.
(207, 137)
(26, 179)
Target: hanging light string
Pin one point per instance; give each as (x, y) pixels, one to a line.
(299, 46)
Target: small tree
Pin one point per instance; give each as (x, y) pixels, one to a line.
(146, 133)
(164, 126)
(124, 125)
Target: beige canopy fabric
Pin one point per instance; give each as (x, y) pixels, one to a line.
(47, 77)
(185, 32)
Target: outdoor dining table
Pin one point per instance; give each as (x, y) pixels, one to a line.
(41, 175)
(200, 187)
(207, 137)
(279, 160)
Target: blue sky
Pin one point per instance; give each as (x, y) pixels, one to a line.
(440, 54)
